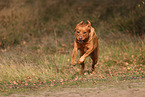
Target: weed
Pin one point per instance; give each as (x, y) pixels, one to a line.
(36, 41)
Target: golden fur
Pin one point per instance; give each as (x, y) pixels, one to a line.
(87, 43)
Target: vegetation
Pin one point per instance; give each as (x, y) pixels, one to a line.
(36, 41)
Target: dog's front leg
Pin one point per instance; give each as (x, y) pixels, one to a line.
(73, 62)
(87, 53)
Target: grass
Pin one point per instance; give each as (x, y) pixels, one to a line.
(36, 46)
(122, 60)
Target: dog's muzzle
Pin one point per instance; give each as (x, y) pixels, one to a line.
(80, 39)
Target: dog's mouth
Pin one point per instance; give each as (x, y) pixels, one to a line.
(80, 41)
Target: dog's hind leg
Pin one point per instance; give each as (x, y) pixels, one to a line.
(94, 57)
(82, 64)
(93, 65)
(82, 68)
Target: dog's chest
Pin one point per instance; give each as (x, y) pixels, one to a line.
(83, 47)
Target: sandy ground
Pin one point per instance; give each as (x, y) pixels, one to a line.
(135, 89)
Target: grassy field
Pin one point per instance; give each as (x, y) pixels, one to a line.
(36, 42)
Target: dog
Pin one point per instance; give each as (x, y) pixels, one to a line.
(86, 42)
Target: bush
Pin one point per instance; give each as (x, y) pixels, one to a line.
(27, 20)
(133, 23)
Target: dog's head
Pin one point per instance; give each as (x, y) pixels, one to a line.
(82, 31)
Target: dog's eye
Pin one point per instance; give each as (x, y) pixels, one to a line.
(78, 32)
(85, 32)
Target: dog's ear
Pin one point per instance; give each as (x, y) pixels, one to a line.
(80, 23)
(75, 29)
(89, 23)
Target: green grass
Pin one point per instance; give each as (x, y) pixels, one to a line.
(24, 69)
(36, 44)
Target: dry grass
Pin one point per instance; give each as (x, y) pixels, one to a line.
(36, 42)
(31, 69)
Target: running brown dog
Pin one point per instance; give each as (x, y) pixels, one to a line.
(86, 42)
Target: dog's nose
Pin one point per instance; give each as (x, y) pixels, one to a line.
(80, 38)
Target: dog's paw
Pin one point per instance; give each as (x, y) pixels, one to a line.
(73, 63)
(81, 60)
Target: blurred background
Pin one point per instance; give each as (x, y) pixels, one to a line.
(36, 40)
(51, 23)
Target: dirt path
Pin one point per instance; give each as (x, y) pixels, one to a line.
(135, 89)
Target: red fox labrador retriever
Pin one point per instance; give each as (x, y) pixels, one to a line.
(86, 42)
